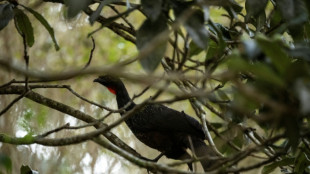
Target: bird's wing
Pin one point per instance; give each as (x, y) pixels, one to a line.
(162, 118)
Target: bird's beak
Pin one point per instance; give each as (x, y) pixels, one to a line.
(96, 80)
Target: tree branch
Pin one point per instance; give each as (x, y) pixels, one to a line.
(93, 136)
(67, 110)
(13, 102)
(91, 53)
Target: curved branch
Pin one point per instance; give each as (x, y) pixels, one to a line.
(67, 110)
(81, 138)
(13, 102)
(91, 53)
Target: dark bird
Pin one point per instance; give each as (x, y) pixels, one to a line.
(169, 131)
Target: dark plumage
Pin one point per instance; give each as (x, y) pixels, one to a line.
(160, 127)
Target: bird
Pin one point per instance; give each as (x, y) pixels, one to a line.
(167, 130)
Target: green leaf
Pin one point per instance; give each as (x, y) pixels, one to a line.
(194, 49)
(222, 31)
(151, 8)
(296, 25)
(300, 51)
(293, 11)
(44, 22)
(93, 17)
(222, 35)
(302, 161)
(234, 134)
(307, 31)
(23, 122)
(28, 114)
(275, 18)
(41, 116)
(212, 50)
(217, 125)
(24, 26)
(6, 14)
(307, 2)
(254, 8)
(295, 14)
(197, 30)
(6, 162)
(76, 6)
(260, 21)
(245, 103)
(235, 6)
(147, 35)
(275, 52)
(26, 170)
(271, 167)
(194, 24)
(276, 23)
(292, 129)
(222, 95)
(287, 8)
(232, 7)
(261, 71)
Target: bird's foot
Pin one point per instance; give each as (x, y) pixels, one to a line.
(153, 160)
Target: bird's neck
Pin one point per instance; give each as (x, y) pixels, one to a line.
(123, 99)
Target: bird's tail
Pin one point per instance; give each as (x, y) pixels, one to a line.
(201, 150)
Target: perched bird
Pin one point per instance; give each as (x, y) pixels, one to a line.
(169, 131)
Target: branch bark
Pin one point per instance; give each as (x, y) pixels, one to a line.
(67, 110)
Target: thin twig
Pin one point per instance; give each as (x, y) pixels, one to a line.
(26, 58)
(13, 102)
(88, 101)
(202, 115)
(8, 83)
(119, 29)
(186, 52)
(91, 123)
(45, 76)
(222, 137)
(254, 166)
(31, 81)
(123, 14)
(142, 92)
(54, 130)
(91, 53)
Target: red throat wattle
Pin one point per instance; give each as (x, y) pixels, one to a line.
(112, 90)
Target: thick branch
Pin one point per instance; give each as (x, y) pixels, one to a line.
(149, 165)
(80, 138)
(67, 110)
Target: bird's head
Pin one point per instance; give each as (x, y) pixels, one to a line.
(112, 83)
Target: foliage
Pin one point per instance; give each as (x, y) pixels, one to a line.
(249, 73)
(5, 163)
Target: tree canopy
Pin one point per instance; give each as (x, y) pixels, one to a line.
(240, 67)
